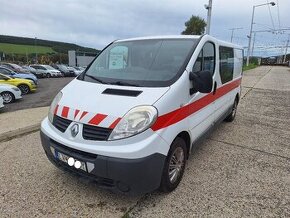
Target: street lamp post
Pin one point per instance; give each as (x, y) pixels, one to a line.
(208, 8)
(251, 29)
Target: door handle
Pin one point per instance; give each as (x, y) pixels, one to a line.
(214, 88)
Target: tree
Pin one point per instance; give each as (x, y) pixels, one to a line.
(194, 26)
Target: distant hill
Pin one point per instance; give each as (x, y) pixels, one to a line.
(45, 46)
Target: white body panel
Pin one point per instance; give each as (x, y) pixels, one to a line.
(80, 97)
(12, 89)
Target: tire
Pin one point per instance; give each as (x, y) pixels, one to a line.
(48, 75)
(232, 115)
(172, 175)
(24, 89)
(8, 97)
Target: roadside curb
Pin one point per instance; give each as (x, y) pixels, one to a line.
(6, 136)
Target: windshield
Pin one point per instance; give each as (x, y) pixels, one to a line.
(152, 63)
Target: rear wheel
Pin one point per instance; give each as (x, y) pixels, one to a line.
(24, 89)
(174, 166)
(48, 75)
(8, 97)
(232, 115)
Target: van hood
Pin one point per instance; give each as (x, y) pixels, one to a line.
(102, 104)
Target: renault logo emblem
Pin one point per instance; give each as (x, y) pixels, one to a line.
(74, 130)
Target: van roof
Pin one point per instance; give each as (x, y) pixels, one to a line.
(221, 42)
(162, 37)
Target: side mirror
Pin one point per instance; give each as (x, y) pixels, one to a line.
(201, 81)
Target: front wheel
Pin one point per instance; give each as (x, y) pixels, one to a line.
(174, 166)
(232, 115)
(8, 97)
(24, 89)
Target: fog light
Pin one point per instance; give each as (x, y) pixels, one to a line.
(78, 164)
(71, 161)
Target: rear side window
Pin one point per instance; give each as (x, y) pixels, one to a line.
(206, 59)
(226, 64)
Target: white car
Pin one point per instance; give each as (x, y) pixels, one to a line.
(46, 71)
(1, 102)
(77, 70)
(132, 119)
(9, 93)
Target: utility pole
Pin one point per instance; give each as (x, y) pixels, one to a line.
(286, 49)
(208, 8)
(254, 40)
(35, 50)
(233, 29)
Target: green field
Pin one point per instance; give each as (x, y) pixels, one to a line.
(24, 49)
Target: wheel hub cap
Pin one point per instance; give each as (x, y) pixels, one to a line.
(176, 164)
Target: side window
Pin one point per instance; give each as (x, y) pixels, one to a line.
(226, 63)
(2, 77)
(206, 59)
(4, 71)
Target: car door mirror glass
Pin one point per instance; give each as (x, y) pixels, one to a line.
(202, 82)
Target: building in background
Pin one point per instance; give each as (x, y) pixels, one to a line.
(78, 58)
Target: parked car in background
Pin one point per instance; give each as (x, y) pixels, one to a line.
(15, 67)
(64, 69)
(13, 74)
(46, 70)
(9, 93)
(30, 69)
(78, 70)
(1, 102)
(24, 85)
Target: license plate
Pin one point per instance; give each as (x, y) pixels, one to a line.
(64, 158)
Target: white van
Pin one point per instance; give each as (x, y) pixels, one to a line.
(131, 119)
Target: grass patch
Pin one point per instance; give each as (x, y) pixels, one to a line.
(24, 49)
(251, 66)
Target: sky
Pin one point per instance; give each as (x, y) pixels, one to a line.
(95, 23)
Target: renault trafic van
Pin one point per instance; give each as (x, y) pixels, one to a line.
(131, 119)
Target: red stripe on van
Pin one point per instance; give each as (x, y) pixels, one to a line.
(56, 109)
(114, 124)
(76, 113)
(83, 114)
(65, 111)
(97, 119)
(181, 113)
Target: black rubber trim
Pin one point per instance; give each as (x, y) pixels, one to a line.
(122, 92)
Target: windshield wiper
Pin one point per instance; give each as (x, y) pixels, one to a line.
(96, 79)
(119, 83)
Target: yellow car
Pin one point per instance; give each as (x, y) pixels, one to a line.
(24, 85)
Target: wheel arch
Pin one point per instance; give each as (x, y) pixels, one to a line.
(186, 137)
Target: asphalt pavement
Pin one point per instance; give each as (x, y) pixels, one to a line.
(46, 90)
(241, 170)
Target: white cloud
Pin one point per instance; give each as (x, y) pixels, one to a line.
(96, 23)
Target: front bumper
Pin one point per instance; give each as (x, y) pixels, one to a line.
(138, 176)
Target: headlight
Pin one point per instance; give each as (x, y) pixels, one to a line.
(53, 105)
(137, 120)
